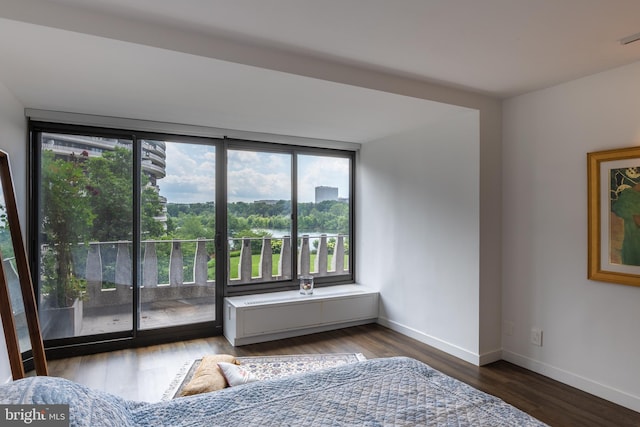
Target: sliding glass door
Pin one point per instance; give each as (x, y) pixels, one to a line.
(126, 230)
(178, 227)
(85, 234)
(136, 237)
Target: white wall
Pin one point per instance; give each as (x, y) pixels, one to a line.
(13, 133)
(418, 232)
(13, 140)
(591, 329)
(477, 341)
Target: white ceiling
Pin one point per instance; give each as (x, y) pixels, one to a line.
(122, 57)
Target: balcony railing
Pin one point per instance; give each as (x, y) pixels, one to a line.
(174, 269)
(177, 279)
(324, 265)
(158, 171)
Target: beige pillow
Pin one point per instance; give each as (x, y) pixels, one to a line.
(208, 376)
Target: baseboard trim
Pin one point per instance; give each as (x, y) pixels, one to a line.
(447, 347)
(585, 384)
(490, 357)
(581, 383)
(295, 333)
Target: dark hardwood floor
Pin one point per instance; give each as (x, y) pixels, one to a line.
(145, 373)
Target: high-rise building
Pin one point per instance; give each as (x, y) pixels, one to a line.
(153, 155)
(326, 193)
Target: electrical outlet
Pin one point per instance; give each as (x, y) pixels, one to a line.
(536, 336)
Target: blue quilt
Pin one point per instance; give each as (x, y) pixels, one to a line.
(395, 391)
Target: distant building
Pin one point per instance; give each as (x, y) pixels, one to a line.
(67, 146)
(326, 193)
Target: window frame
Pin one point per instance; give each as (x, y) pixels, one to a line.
(294, 151)
(67, 346)
(68, 123)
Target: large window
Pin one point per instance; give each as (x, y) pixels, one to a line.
(129, 238)
(258, 216)
(324, 226)
(271, 243)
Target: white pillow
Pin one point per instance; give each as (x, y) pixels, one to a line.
(235, 374)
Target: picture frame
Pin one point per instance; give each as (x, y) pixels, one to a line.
(614, 216)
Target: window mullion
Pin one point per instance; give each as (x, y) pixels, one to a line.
(222, 245)
(136, 231)
(294, 217)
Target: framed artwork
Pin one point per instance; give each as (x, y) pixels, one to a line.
(614, 216)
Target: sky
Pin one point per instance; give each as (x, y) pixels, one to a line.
(252, 175)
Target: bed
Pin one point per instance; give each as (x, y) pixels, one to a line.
(389, 391)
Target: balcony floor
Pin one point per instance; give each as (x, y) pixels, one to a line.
(159, 314)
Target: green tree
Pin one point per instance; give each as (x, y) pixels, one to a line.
(236, 224)
(6, 245)
(256, 243)
(192, 228)
(67, 218)
(110, 181)
(151, 207)
(89, 199)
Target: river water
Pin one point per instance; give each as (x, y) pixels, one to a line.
(282, 233)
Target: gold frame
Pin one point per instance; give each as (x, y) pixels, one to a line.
(26, 287)
(595, 162)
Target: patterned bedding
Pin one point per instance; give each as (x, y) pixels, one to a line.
(380, 392)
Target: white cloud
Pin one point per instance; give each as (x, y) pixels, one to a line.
(316, 171)
(251, 175)
(190, 173)
(258, 176)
